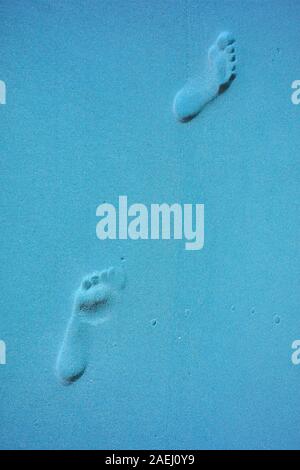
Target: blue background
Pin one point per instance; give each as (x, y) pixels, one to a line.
(89, 117)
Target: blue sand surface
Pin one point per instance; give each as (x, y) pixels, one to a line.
(194, 356)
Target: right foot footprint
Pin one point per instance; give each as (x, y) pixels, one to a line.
(92, 306)
(195, 95)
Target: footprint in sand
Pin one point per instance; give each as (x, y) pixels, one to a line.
(93, 305)
(217, 77)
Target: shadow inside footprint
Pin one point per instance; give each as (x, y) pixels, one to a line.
(227, 85)
(72, 378)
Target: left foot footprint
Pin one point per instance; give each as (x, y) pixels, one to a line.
(92, 306)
